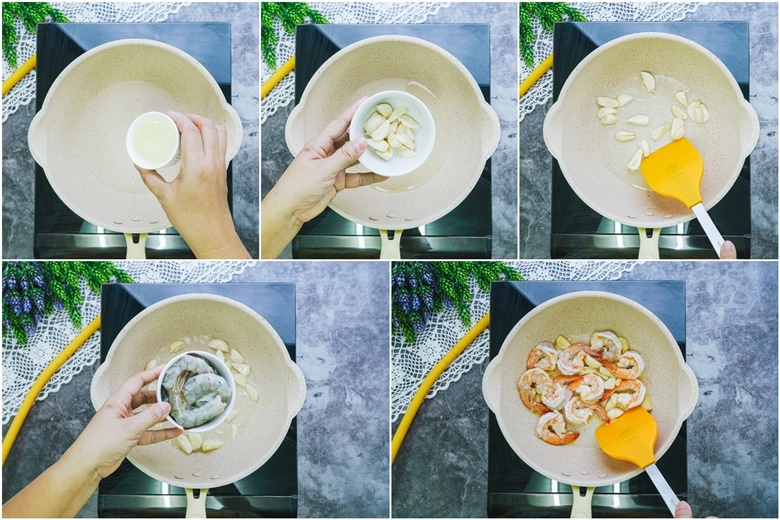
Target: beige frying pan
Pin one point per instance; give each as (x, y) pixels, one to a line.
(467, 129)
(262, 426)
(78, 137)
(671, 383)
(595, 164)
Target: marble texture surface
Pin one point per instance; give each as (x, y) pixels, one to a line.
(536, 162)
(18, 164)
(342, 349)
(502, 18)
(732, 335)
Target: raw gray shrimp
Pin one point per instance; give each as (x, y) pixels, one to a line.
(192, 363)
(201, 388)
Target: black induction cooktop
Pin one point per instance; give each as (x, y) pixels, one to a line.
(272, 490)
(580, 232)
(464, 233)
(60, 233)
(516, 490)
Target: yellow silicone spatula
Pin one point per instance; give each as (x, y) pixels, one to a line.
(675, 171)
(631, 437)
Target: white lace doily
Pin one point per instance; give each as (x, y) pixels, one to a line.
(595, 12)
(22, 364)
(337, 12)
(24, 91)
(411, 363)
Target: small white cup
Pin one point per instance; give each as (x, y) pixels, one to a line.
(153, 141)
(222, 370)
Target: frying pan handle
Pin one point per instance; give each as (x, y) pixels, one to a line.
(36, 139)
(292, 136)
(689, 391)
(580, 507)
(196, 507)
(491, 388)
(136, 251)
(492, 134)
(648, 247)
(391, 247)
(553, 131)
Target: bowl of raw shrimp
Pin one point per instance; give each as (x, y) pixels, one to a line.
(200, 389)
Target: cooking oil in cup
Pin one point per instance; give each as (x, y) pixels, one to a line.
(153, 141)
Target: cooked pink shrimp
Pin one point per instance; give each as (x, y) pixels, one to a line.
(531, 383)
(551, 428)
(559, 392)
(578, 412)
(607, 344)
(544, 356)
(589, 387)
(571, 361)
(630, 394)
(630, 365)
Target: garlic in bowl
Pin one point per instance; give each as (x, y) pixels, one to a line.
(399, 130)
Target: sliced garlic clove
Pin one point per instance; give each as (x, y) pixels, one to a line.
(705, 113)
(219, 344)
(195, 440)
(251, 391)
(386, 155)
(635, 161)
(638, 120)
(176, 346)
(692, 106)
(607, 102)
(380, 146)
(240, 379)
(605, 111)
(233, 431)
(393, 127)
(231, 416)
(221, 355)
(678, 129)
(184, 444)
(151, 364)
(406, 152)
(410, 122)
(614, 413)
(681, 98)
(241, 368)
(400, 129)
(381, 132)
(410, 133)
(609, 120)
(624, 99)
(385, 109)
(623, 136)
(645, 148)
(404, 140)
(393, 140)
(211, 445)
(397, 112)
(373, 123)
(649, 81)
(679, 112)
(658, 132)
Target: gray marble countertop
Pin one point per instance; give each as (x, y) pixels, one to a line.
(18, 164)
(536, 162)
(732, 336)
(342, 349)
(502, 18)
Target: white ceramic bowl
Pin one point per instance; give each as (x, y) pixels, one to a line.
(222, 370)
(425, 136)
(173, 154)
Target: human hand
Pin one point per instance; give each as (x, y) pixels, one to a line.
(312, 181)
(683, 510)
(728, 251)
(116, 428)
(196, 200)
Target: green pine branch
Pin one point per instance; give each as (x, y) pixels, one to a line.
(289, 14)
(30, 14)
(548, 14)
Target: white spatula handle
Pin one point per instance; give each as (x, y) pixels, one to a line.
(709, 227)
(670, 499)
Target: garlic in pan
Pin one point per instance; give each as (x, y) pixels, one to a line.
(682, 98)
(624, 136)
(678, 129)
(660, 131)
(639, 120)
(624, 99)
(649, 81)
(633, 164)
(391, 129)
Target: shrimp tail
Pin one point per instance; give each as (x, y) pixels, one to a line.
(560, 441)
(601, 412)
(533, 405)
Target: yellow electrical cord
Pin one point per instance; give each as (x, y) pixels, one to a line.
(37, 386)
(277, 76)
(535, 74)
(431, 378)
(19, 73)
